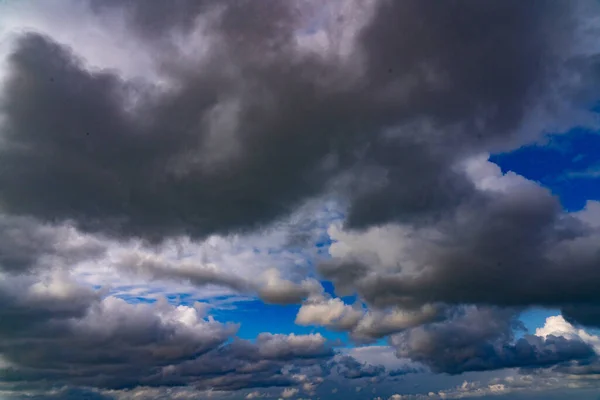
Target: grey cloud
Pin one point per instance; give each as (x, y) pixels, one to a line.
(57, 334)
(162, 393)
(270, 287)
(349, 368)
(377, 324)
(199, 275)
(479, 339)
(281, 297)
(243, 364)
(155, 20)
(247, 135)
(65, 393)
(60, 332)
(32, 307)
(589, 368)
(469, 67)
(515, 387)
(344, 273)
(26, 244)
(364, 325)
(506, 247)
(276, 290)
(293, 346)
(582, 315)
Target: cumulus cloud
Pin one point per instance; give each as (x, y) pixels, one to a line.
(279, 291)
(363, 324)
(70, 336)
(479, 339)
(558, 326)
(511, 245)
(56, 333)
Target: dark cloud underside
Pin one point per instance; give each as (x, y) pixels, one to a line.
(233, 148)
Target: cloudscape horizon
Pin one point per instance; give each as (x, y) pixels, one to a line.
(266, 199)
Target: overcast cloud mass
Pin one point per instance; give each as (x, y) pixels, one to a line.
(296, 199)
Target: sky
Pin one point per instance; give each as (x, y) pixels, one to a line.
(382, 200)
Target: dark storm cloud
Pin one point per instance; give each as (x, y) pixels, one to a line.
(272, 289)
(469, 67)
(480, 339)
(475, 60)
(259, 125)
(511, 247)
(243, 364)
(26, 244)
(113, 345)
(584, 367)
(29, 307)
(583, 315)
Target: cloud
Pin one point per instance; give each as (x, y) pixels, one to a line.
(558, 326)
(384, 355)
(198, 275)
(279, 256)
(69, 336)
(158, 19)
(67, 393)
(255, 395)
(510, 245)
(30, 304)
(271, 287)
(289, 392)
(480, 339)
(349, 368)
(56, 333)
(332, 313)
(513, 385)
(27, 244)
(278, 291)
(363, 324)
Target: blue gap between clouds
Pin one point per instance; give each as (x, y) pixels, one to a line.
(256, 317)
(563, 164)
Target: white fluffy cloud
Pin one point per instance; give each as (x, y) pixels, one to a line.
(332, 313)
(557, 326)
